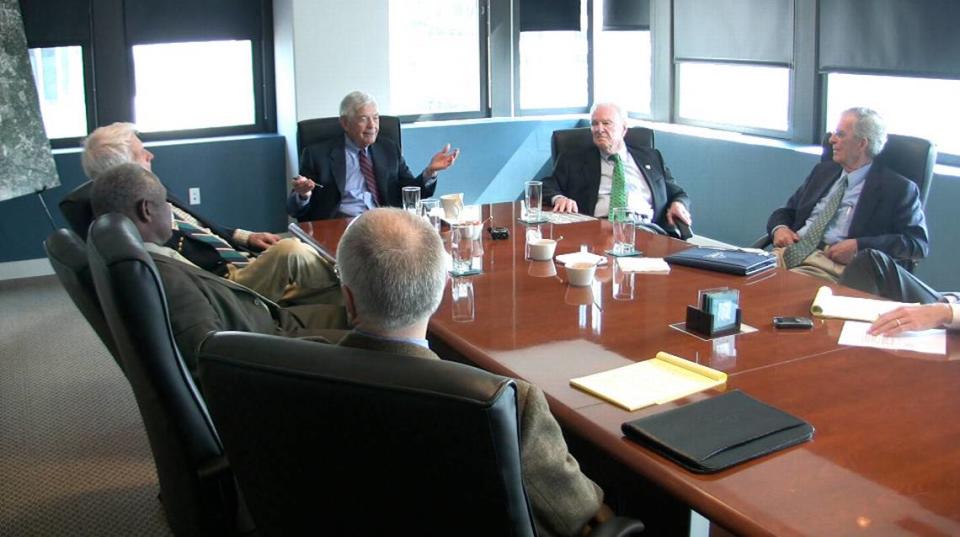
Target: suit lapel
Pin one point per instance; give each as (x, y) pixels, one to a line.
(591, 171)
(650, 174)
(380, 170)
(338, 165)
(867, 204)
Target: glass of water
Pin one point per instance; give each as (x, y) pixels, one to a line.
(432, 212)
(624, 231)
(532, 200)
(411, 199)
(462, 244)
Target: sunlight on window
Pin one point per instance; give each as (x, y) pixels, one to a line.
(434, 56)
(553, 70)
(622, 64)
(735, 95)
(58, 73)
(924, 107)
(193, 85)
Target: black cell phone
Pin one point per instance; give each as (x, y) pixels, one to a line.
(802, 323)
(498, 233)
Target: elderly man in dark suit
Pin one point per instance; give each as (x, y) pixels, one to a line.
(349, 175)
(615, 175)
(393, 273)
(849, 204)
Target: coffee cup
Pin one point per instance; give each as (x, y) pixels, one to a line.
(452, 205)
(542, 249)
(580, 274)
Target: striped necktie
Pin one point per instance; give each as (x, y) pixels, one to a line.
(794, 254)
(366, 168)
(618, 190)
(223, 248)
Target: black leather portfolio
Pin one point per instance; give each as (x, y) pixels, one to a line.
(716, 433)
(732, 261)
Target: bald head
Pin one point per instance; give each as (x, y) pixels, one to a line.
(393, 264)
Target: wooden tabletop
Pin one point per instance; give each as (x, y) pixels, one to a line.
(885, 458)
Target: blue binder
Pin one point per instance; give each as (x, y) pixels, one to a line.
(731, 261)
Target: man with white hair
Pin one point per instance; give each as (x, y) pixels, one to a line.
(616, 175)
(393, 275)
(349, 175)
(849, 204)
(280, 269)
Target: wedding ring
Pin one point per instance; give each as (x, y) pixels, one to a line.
(898, 322)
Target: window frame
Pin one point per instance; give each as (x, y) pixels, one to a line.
(86, 55)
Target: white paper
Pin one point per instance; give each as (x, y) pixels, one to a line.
(932, 341)
(826, 304)
(644, 264)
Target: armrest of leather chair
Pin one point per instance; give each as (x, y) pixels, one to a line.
(762, 242)
(618, 526)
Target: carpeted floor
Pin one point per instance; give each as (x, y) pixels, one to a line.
(74, 457)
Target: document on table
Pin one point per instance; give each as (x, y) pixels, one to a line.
(566, 218)
(933, 341)
(650, 265)
(826, 304)
(650, 382)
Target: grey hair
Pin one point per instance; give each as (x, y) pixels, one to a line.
(870, 127)
(106, 147)
(121, 188)
(395, 265)
(615, 106)
(354, 101)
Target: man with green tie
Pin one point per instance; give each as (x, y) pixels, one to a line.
(849, 204)
(613, 174)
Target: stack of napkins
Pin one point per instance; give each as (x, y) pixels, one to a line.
(651, 265)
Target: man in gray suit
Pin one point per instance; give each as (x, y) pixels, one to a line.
(200, 301)
(393, 274)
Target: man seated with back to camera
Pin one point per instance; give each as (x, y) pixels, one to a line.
(613, 174)
(393, 272)
(283, 270)
(347, 175)
(848, 204)
(200, 301)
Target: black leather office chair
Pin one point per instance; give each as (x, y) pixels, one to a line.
(911, 157)
(196, 485)
(579, 139)
(311, 131)
(76, 209)
(327, 439)
(68, 256)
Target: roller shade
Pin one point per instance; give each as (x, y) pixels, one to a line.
(916, 36)
(71, 24)
(740, 30)
(191, 20)
(626, 15)
(549, 15)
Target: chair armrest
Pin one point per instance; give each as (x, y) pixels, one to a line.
(618, 526)
(684, 229)
(762, 242)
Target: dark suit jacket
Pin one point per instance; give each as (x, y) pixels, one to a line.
(888, 216)
(325, 163)
(562, 497)
(577, 176)
(200, 302)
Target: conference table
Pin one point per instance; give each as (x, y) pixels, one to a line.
(885, 457)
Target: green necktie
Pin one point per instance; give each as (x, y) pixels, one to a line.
(618, 191)
(794, 254)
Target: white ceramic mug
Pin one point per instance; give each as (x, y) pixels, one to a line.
(580, 274)
(542, 249)
(452, 205)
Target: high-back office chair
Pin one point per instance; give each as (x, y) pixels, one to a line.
(311, 131)
(911, 157)
(353, 442)
(580, 139)
(68, 256)
(197, 488)
(77, 210)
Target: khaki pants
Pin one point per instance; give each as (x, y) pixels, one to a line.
(290, 272)
(816, 264)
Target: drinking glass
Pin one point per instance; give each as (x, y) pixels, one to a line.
(411, 199)
(462, 246)
(461, 300)
(624, 231)
(623, 283)
(432, 212)
(532, 201)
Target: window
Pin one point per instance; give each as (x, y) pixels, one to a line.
(622, 62)
(435, 57)
(930, 112)
(747, 96)
(553, 68)
(58, 73)
(193, 85)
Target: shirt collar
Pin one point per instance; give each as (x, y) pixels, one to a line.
(351, 146)
(622, 153)
(414, 340)
(857, 176)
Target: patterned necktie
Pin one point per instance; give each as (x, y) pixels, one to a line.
(223, 248)
(618, 191)
(366, 168)
(794, 254)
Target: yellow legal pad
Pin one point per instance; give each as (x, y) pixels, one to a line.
(650, 382)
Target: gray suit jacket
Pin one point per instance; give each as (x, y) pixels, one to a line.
(563, 498)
